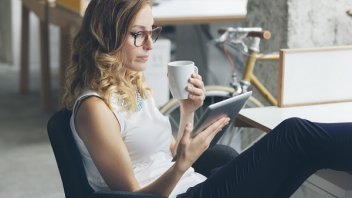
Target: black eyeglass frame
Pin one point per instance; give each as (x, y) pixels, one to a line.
(150, 33)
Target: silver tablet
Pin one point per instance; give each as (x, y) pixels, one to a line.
(229, 107)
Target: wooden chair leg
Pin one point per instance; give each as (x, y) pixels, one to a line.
(24, 67)
(45, 66)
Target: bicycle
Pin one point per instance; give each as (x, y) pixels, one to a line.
(232, 37)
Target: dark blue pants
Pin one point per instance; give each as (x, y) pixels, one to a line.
(281, 161)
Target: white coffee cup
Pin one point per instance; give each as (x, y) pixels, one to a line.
(178, 73)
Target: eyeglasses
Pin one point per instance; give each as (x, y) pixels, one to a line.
(141, 36)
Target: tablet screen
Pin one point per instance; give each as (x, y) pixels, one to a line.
(229, 107)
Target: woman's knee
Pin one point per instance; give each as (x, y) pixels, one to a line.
(292, 122)
(303, 132)
(289, 125)
(299, 130)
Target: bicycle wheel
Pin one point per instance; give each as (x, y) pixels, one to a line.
(231, 135)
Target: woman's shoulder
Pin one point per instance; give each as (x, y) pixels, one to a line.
(93, 101)
(83, 96)
(91, 104)
(94, 108)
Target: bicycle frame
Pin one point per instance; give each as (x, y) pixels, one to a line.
(250, 78)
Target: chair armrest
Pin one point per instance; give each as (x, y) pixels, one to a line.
(122, 194)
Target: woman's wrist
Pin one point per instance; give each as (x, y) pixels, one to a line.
(185, 110)
(180, 166)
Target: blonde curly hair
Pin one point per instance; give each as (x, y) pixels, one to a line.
(97, 58)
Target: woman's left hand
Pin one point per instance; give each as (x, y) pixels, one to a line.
(196, 94)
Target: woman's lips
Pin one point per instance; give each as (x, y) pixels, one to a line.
(143, 58)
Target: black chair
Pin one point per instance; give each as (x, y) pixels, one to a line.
(71, 168)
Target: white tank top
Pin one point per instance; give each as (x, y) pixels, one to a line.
(147, 136)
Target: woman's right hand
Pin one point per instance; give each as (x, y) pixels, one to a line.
(191, 147)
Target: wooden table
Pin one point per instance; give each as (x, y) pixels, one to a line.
(168, 12)
(68, 21)
(267, 118)
(181, 12)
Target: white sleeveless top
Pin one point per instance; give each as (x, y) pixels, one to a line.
(147, 135)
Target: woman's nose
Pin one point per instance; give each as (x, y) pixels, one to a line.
(148, 43)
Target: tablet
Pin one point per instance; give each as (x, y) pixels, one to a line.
(229, 107)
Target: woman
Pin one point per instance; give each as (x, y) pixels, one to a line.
(126, 144)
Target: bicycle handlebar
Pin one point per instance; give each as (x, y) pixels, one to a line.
(266, 35)
(251, 32)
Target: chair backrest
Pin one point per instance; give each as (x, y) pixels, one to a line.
(67, 156)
